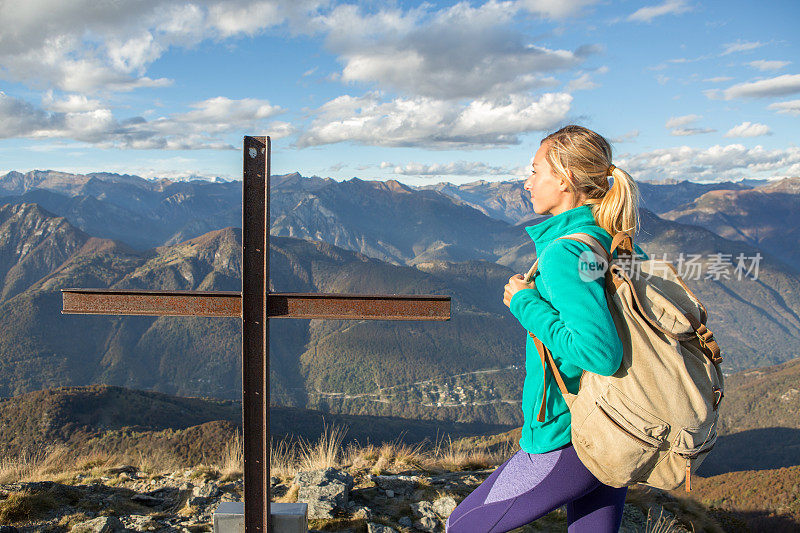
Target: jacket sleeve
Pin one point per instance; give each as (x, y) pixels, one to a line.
(576, 325)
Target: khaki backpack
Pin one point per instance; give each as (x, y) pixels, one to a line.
(655, 419)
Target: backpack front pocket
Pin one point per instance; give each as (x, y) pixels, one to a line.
(687, 451)
(616, 448)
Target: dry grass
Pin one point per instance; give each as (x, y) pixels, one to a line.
(61, 463)
(24, 505)
(287, 457)
(231, 464)
(358, 456)
(283, 459)
(660, 524)
(455, 456)
(17, 468)
(157, 460)
(412, 456)
(205, 473)
(325, 452)
(290, 496)
(690, 515)
(46, 464)
(68, 521)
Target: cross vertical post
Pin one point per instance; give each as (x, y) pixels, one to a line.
(255, 332)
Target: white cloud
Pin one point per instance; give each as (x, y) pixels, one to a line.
(582, 83)
(247, 18)
(19, 118)
(676, 125)
(71, 103)
(556, 9)
(675, 122)
(685, 132)
(434, 123)
(748, 129)
(718, 79)
(222, 114)
(740, 46)
(682, 60)
(669, 7)
(56, 65)
(175, 168)
(457, 52)
(183, 131)
(84, 48)
(779, 86)
(789, 107)
(626, 137)
(456, 168)
(87, 46)
(761, 64)
(714, 163)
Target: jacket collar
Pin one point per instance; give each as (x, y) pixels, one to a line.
(561, 224)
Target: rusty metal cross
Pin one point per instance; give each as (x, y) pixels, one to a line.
(255, 305)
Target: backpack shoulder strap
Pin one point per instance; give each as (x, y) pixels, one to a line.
(592, 242)
(585, 238)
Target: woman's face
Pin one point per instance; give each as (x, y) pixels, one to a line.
(548, 191)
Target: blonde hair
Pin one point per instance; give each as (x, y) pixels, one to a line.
(583, 158)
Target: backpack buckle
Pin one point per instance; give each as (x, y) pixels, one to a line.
(704, 336)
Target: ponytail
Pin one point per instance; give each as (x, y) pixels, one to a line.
(618, 209)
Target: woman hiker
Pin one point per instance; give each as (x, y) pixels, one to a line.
(566, 309)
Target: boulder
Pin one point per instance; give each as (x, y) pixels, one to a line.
(101, 524)
(444, 506)
(324, 491)
(428, 519)
(398, 485)
(207, 490)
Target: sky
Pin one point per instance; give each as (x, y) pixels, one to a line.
(421, 92)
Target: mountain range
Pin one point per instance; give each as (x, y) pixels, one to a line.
(355, 236)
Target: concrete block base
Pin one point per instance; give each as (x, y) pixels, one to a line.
(286, 517)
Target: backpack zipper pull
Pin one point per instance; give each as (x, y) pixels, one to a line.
(688, 474)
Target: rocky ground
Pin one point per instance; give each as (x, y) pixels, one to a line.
(125, 499)
(122, 500)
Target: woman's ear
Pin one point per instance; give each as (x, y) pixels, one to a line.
(563, 186)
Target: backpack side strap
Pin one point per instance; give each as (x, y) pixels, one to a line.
(547, 360)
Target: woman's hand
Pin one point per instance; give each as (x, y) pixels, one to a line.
(515, 283)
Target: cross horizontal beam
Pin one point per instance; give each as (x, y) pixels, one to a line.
(279, 305)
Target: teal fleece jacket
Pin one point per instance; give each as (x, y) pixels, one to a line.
(567, 311)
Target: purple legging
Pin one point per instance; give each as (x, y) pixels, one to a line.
(530, 485)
